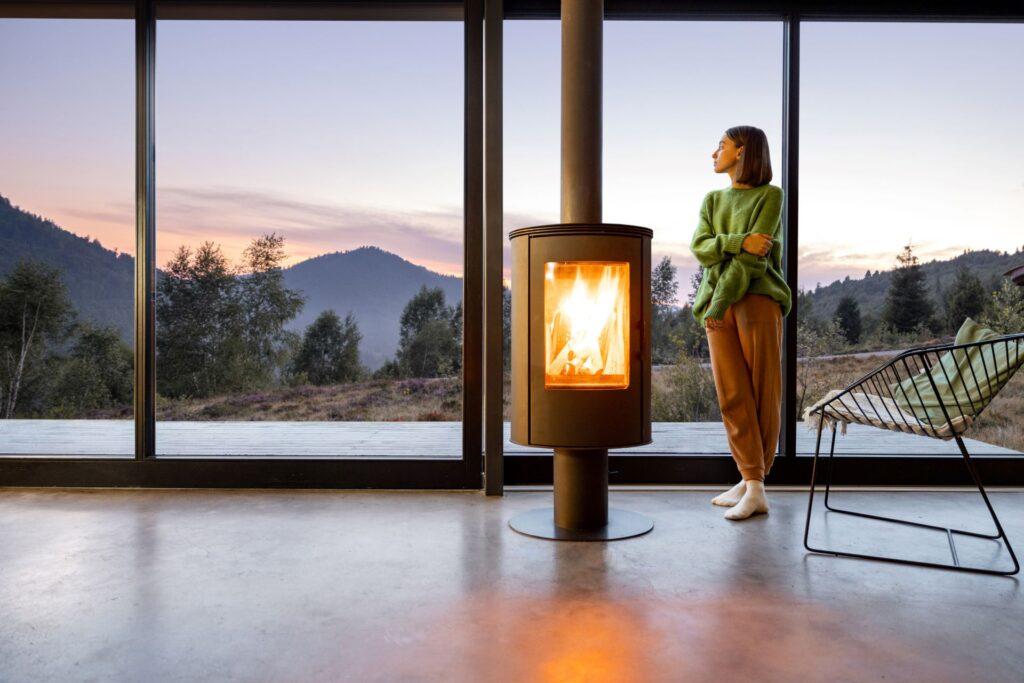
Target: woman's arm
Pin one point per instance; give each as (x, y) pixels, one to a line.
(767, 222)
(708, 247)
(731, 286)
(744, 267)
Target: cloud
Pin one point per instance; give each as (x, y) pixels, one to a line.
(120, 215)
(232, 217)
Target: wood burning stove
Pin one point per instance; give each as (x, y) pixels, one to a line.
(581, 366)
(581, 306)
(581, 311)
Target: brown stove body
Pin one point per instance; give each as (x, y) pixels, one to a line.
(581, 348)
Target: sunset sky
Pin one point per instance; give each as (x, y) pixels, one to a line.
(340, 134)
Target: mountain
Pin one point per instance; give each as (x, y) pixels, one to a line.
(870, 291)
(99, 282)
(373, 284)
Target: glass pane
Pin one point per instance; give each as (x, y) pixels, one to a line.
(67, 237)
(911, 196)
(310, 221)
(670, 92)
(586, 324)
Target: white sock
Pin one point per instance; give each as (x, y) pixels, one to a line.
(753, 502)
(732, 496)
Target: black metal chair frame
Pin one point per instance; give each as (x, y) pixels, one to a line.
(923, 358)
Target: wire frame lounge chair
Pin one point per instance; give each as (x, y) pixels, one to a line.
(935, 391)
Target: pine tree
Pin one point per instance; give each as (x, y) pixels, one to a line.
(907, 305)
(967, 298)
(848, 318)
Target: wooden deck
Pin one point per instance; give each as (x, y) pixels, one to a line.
(430, 440)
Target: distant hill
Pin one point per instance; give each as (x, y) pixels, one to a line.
(373, 284)
(870, 291)
(100, 282)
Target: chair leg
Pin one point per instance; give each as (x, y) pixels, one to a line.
(956, 566)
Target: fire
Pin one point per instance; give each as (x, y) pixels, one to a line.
(586, 324)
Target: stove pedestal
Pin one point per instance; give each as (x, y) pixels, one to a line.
(581, 510)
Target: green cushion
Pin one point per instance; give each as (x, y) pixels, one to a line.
(958, 384)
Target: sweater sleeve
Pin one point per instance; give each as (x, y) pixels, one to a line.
(708, 247)
(731, 287)
(769, 217)
(744, 267)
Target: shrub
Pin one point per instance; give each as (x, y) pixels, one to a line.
(685, 394)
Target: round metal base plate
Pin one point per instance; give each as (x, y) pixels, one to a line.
(540, 523)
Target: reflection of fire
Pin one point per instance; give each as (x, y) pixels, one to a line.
(586, 324)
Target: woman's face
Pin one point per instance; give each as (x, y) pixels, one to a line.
(726, 155)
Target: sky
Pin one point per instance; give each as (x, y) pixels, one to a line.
(340, 134)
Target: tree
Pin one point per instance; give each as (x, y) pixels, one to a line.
(663, 298)
(200, 343)
(848, 318)
(506, 325)
(266, 305)
(966, 299)
(96, 374)
(34, 309)
(907, 305)
(694, 285)
(804, 302)
(1005, 310)
(330, 350)
(663, 283)
(222, 329)
(430, 336)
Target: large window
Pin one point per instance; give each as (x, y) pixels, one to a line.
(67, 237)
(910, 205)
(309, 238)
(310, 195)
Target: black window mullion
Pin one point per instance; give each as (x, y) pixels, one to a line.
(791, 232)
(145, 231)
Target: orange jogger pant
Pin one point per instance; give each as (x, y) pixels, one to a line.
(746, 360)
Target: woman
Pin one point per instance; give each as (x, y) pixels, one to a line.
(741, 301)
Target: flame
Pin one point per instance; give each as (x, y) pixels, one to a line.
(586, 318)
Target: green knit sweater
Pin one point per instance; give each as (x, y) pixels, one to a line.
(727, 216)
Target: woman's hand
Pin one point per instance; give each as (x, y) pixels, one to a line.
(757, 243)
(713, 324)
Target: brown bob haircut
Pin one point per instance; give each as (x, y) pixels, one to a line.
(756, 163)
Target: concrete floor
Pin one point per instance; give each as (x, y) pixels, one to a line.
(142, 585)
